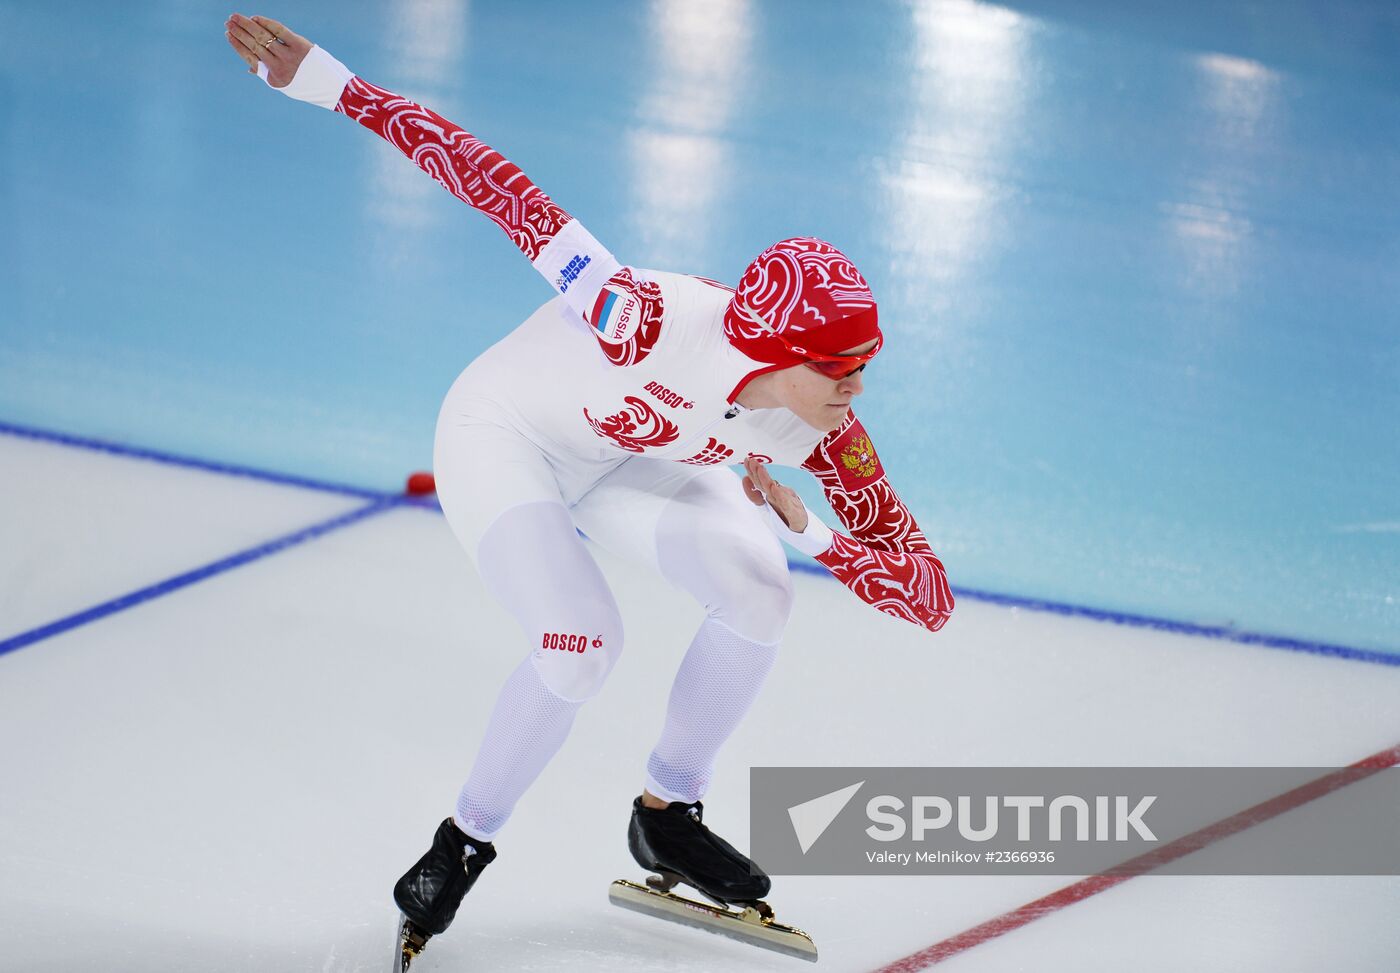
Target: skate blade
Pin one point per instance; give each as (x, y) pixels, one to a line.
(746, 926)
(407, 945)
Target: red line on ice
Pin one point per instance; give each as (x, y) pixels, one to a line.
(1094, 884)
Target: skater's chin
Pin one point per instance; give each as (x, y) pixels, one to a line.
(835, 414)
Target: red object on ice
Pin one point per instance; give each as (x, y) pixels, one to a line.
(420, 485)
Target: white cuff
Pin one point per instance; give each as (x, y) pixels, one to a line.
(816, 539)
(320, 79)
(576, 265)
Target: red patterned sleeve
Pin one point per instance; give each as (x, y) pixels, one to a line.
(461, 163)
(625, 313)
(886, 560)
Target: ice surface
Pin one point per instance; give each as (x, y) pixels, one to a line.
(232, 776)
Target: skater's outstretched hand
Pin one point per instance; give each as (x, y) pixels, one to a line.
(262, 39)
(762, 488)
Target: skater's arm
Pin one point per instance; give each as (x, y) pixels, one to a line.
(886, 560)
(574, 263)
(566, 255)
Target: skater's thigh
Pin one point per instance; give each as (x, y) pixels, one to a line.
(482, 470)
(532, 560)
(695, 527)
(503, 502)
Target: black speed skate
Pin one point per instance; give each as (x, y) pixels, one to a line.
(429, 893)
(674, 844)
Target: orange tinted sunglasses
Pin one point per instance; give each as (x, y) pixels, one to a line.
(832, 366)
(839, 366)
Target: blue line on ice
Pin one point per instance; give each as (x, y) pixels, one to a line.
(155, 455)
(150, 592)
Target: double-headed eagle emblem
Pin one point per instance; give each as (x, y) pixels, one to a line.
(859, 457)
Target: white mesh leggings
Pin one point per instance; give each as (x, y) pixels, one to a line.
(527, 728)
(718, 680)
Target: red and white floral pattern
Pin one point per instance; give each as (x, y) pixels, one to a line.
(713, 452)
(798, 288)
(461, 163)
(636, 427)
(484, 179)
(887, 560)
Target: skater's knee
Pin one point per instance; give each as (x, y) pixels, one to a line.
(755, 598)
(575, 656)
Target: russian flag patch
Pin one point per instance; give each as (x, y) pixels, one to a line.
(614, 315)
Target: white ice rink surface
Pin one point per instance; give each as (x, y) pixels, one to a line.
(231, 776)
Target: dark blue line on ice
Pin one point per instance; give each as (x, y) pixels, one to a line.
(1185, 628)
(137, 452)
(1033, 604)
(1161, 624)
(179, 581)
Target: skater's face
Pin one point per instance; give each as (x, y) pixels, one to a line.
(816, 399)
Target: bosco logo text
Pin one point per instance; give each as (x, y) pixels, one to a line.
(567, 642)
(670, 398)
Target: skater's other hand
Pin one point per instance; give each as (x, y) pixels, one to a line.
(761, 488)
(262, 39)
